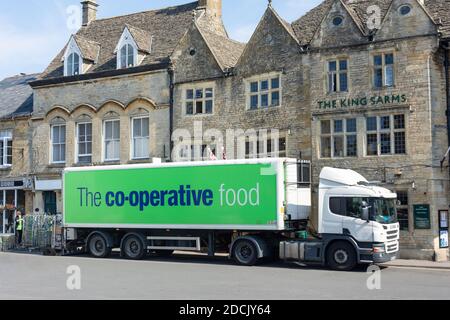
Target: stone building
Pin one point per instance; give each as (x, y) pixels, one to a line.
(378, 104)
(105, 99)
(16, 106)
(357, 85)
(354, 84)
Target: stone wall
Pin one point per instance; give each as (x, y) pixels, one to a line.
(271, 51)
(120, 98)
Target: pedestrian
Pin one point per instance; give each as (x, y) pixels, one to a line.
(19, 227)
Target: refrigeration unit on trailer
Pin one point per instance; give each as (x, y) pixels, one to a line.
(251, 209)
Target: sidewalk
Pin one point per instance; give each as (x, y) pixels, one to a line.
(418, 264)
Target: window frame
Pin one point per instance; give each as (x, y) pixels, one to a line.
(250, 144)
(194, 100)
(105, 140)
(5, 139)
(132, 156)
(70, 62)
(338, 72)
(403, 207)
(78, 143)
(391, 131)
(127, 45)
(52, 143)
(269, 77)
(383, 68)
(344, 134)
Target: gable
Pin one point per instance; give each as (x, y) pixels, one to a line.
(330, 35)
(396, 25)
(193, 60)
(72, 47)
(270, 46)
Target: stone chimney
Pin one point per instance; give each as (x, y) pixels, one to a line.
(213, 7)
(89, 11)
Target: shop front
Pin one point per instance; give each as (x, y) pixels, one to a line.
(13, 194)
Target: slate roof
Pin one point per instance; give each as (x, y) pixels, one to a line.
(89, 49)
(167, 26)
(16, 96)
(225, 50)
(306, 26)
(143, 38)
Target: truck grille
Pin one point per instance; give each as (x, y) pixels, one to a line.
(392, 247)
(392, 235)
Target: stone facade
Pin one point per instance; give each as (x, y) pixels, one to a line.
(121, 98)
(411, 97)
(272, 51)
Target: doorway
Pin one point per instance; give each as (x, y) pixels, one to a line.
(50, 202)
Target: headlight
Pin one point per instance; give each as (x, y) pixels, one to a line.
(379, 249)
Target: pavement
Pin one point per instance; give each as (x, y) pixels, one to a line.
(418, 264)
(187, 277)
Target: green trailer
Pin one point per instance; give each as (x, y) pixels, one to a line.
(159, 208)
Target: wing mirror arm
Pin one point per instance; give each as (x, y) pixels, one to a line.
(365, 212)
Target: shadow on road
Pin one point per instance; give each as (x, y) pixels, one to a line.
(200, 259)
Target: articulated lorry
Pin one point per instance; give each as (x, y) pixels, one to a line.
(253, 210)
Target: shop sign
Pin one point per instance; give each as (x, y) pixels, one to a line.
(422, 219)
(362, 102)
(11, 184)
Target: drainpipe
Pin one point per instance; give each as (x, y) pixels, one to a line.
(171, 106)
(447, 85)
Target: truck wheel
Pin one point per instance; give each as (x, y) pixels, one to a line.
(163, 253)
(98, 247)
(341, 256)
(133, 248)
(245, 253)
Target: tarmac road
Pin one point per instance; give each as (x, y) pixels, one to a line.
(24, 276)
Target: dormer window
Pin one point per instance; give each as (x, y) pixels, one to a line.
(73, 57)
(127, 56)
(133, 46)
(73, 64)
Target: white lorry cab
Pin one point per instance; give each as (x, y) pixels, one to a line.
(364, 214)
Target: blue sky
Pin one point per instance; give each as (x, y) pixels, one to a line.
(33, 31)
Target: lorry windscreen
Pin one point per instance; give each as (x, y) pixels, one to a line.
(383, 210)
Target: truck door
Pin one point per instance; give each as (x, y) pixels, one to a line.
(353, 224)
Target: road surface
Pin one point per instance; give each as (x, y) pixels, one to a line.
(182, 277)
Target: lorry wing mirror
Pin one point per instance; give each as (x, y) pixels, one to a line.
(365, 211)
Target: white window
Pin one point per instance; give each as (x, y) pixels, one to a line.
(73, 64)
(199, 101)
(386, 135)
(338, 75)
(127, 56)
(263, 92)
(112, 140)
(338, 138)
(383, 70)
(5, 148)
(84, 142)
(141, 138)
(58, 139)
(266, 147)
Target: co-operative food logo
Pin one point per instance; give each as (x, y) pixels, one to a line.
(182, 196)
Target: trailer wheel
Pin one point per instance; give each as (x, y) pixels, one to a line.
(341, 256)
(133, 248)
(245, 252)
(98, 247)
